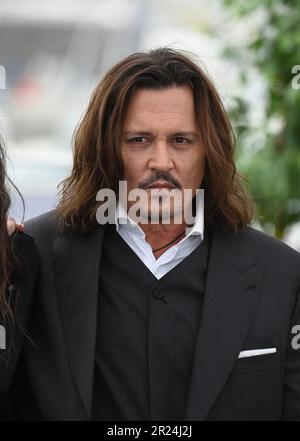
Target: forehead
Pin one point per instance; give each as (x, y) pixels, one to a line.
(170, 106)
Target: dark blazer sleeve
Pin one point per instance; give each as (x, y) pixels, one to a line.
(22, 302)
(43, 230)
(29, 264)
(291, 393)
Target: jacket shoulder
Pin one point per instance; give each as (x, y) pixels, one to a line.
(265, 239)
(43, 226)
(264, 245)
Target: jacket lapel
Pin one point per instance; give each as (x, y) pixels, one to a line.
(231, 298)
(76, 263)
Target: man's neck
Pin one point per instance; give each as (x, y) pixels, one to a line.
(159, 235)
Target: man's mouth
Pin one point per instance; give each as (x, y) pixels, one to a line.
(160, 185)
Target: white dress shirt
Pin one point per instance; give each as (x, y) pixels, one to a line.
(134, 236)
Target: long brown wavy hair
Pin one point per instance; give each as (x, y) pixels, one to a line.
(9, 264)
(96, 142)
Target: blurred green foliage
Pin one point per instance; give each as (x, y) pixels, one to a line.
(271, 166)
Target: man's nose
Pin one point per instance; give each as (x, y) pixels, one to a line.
(160, 157)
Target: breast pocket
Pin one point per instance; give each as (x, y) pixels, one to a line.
(257, 363)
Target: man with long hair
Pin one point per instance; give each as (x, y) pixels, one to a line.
(18, 271)
(179, 320)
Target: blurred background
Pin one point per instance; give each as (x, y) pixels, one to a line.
(54, 52)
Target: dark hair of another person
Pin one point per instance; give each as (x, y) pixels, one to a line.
(9, 264)
(98, 161)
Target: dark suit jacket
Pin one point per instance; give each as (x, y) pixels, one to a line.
(251, 302)
(15, 335)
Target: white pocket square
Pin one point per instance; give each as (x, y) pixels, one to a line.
(254, 352)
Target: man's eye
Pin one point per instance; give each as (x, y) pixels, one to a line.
(181, 140)
(137, 139)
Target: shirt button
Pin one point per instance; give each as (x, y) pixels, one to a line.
(158, 294)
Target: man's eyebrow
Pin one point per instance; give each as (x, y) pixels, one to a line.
(137, 132)
(185, 133)
(145, 133)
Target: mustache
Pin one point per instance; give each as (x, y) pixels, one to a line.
(160, 176)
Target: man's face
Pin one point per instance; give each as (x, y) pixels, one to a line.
(161, 142)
